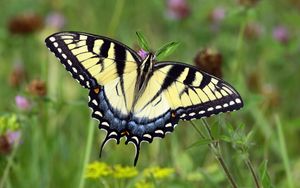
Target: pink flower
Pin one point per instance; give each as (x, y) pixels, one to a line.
(142, 53)
(22, 103)
(281, 34)
(8, 141)
(218, 14)
(178, 9)
(13, 137)
(55, 20)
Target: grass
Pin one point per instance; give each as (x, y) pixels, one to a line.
(59, 141)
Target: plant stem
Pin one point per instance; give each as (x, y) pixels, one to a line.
(283, 151)
(214, 146)
(250, 166)
(87, 152)
(10, 163)
(116, 17)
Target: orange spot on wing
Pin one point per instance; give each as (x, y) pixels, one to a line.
(96, 90)
(173, 114)
(125, 133)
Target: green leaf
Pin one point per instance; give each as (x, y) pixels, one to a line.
(201, 142)
(225, 138)
(143, 42)
(166, 50)
(264, 176)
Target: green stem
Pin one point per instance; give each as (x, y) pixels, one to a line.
(236, 64)
(197, 130)
(283, 150)
(214, 146)
(116, 17)
(87, 152)
(10, 163)
(250, 166)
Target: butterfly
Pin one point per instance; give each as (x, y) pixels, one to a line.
(136, 98)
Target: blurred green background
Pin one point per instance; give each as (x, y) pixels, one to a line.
(45, 121)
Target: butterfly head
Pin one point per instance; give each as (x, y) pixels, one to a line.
(148, 63)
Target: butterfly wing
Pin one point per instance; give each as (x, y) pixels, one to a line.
(92, 60)
(194, 94)
(178, 91)
(105, 66)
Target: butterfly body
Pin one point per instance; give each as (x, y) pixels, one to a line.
(135, 98)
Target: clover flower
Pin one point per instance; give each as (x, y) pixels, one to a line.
(281, 34)
(217, 15)
(178, 9)
(25, 23)
(22, 103)
(37, 87)
(210, 61)
(55, 20)
(142, 53)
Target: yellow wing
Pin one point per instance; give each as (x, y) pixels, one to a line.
(177, 91)
(93, 60)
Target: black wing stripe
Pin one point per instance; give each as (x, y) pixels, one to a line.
(120, 58)
(90, 43)
(205, 80)
(190, 77)
(104, 48)
(175, 72)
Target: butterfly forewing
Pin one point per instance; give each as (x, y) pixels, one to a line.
(92, 60)
(195, 94)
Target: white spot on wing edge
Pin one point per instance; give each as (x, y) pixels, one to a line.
(210, 109)
(74, 69)
(192, 114)
(135, 138)
(231, 103)
(52, 39)
(159, 132)
(55, 44)
(105, 124)
(238, 100)
(218, 107)
(147, 136)
(168, 125)
(225, 105)
(98, 113)
(81, 77)
(202, 112)
(95, 102)
(112, 133)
